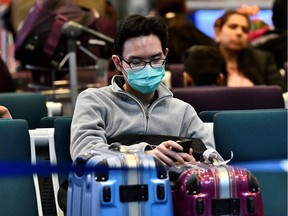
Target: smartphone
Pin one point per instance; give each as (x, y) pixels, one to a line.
(185, 143)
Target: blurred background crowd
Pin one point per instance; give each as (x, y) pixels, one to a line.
(223, 55)
(218, 43)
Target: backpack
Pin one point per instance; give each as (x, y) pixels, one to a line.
(40, 41)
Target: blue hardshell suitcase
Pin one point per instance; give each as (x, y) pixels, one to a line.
(119, 183)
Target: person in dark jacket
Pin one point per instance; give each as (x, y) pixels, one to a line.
(275, 40)
(245, 66)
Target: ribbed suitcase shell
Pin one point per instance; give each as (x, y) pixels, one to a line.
(205, 189)
(122, 184)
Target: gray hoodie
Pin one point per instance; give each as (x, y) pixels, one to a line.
(110, 111)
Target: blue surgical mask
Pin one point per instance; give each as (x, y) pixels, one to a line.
(145, 80)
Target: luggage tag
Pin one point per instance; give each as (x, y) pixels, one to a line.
(211, 156)
(119, 147)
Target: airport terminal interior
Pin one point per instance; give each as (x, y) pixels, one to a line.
(49, 57)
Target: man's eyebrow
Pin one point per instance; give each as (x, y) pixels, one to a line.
(145, 58)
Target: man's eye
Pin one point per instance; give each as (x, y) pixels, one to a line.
(157, 61)
(136, 63)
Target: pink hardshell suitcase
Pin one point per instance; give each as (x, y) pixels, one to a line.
(201, 188)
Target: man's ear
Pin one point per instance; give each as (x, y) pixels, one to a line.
(216, 34)
(117, 62)
(166, 51)
(188, 80)
(220, 80)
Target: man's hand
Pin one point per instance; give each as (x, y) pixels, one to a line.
(165, 153)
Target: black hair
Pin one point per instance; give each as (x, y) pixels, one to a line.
(170, 6)
(137, 25)
(279, 11)
(204, 64)
(224, 18)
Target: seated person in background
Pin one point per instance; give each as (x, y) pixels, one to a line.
(204, 65)
(137, 103)
(275, 40)
(4, 113)
(245, 66)
(182, 32)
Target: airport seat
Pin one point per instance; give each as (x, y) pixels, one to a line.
(62, 143)
(274, 190)
(272, 176)
(231, 98)
(208, 115)
(251, 135)
(61, 157)
(177, 79)
(61, 125)
(51, 144)
(257, 138)
(30, 106)
(48, 121)
(40, 156)
(18, 195)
